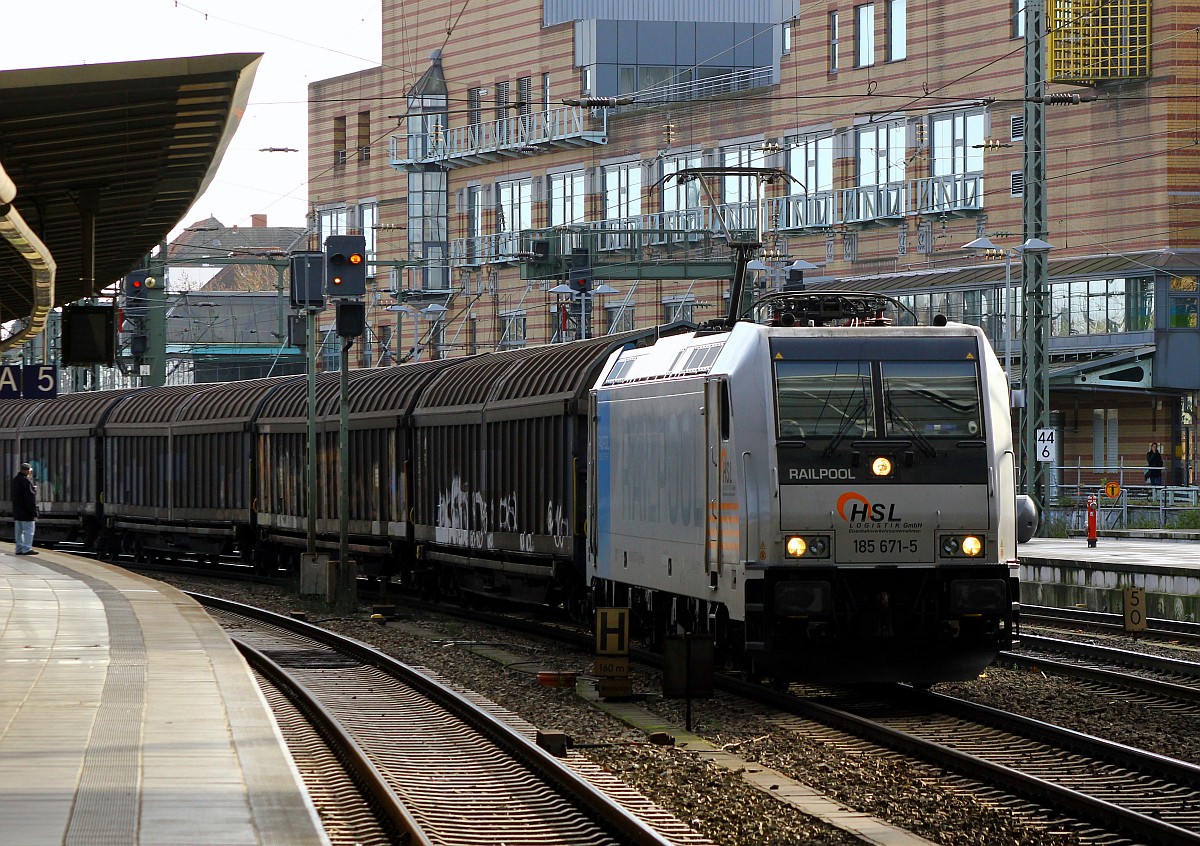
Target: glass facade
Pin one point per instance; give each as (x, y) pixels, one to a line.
(1103, 306)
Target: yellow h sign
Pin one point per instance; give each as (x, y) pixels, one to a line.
(612, 631)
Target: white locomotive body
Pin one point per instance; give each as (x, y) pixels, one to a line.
(831, 502)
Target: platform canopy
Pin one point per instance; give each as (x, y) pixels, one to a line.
(98, 163)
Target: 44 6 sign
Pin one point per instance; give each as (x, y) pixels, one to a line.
(1047, 445)
(31, 381)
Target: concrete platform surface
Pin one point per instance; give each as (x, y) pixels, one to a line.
(127, 717)
(1171, 553)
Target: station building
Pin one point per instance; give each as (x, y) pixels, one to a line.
(500, 148)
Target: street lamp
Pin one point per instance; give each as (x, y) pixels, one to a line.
(1034, 367)
(985, 244)
(433, 313)
(584, 302)
(403, 309)
(794, 276)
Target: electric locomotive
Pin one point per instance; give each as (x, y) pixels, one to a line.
(829, 495)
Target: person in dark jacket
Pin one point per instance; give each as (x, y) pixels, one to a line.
(1154, 465)
(25, 511)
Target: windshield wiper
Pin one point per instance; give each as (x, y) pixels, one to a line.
(907, 426)
(848, 421)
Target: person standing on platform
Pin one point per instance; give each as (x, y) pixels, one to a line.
(25, 511)
(1154, 465)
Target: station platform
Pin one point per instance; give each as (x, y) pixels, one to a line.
(128, 717)
(1067, 573)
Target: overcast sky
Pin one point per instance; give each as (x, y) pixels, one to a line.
(302, 41)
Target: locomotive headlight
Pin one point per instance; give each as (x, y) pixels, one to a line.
(882, 466)
(961, 546)
(796, 546)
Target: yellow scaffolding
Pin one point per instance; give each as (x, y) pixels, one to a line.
(1098, 40)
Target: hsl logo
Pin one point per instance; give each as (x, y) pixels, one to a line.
(862, 510)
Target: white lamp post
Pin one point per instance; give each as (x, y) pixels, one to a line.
(985, 243)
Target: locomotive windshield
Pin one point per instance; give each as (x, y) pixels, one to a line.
(824, 399)
(931, 399)
(839, 399)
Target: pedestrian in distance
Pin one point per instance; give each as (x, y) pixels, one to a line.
(1154, 465)
(25, 511)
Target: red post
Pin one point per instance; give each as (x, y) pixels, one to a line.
(1092, 507)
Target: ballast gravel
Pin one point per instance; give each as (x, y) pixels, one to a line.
(716, 801)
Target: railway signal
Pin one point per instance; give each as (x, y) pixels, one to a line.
(308, 280)
(137, 284)
(345, 266)
(579, 275)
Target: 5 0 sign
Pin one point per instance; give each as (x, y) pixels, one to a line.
(31, 381)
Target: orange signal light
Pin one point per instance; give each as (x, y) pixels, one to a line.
(356, 258)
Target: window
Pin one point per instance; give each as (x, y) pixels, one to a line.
(331, 221)
(741, 189)
(833, 42)
(586, 78)
(864, 35)
(368, 222)
(678, 308)
(502, 112)
(824, 399)
(424, 132)
(1101, 306)
(897, 30)
(810, 161)
(618, 318)
(512, 329)
(787, 37)
(929, 399)
(525, 95)
(622, 191)
(566, 198)
(475, 106)
(546, 92)
(514, 205)
(364, 137)
(957, 143)
(626, 79)
(881, 154)
(331, 351)
(677, 196)
(474, 224)
(1018, 18)
(1183, 302)
(339, 140)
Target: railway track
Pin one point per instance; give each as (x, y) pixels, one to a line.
(349, 805)
(1158, 630)
(460, 773)
(1105, 792)
(1146, 797)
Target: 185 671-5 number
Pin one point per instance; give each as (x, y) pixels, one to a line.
(884, 546)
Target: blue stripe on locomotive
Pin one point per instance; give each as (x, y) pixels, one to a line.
(602, 520)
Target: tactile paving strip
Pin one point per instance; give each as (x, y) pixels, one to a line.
(106, 803)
